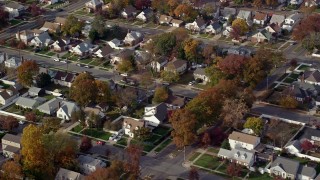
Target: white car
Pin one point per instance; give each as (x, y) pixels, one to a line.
(117, 138)
(56, 59)
(21, 122)
(191, 83)
(64, 62)
(79, 65)
(124, 74)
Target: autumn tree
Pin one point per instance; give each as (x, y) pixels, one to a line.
(193, 174)
(235, 33)
(84, 89)
(146, 79)
(113, 172)
(288, 102)
(43, 80)
(50, 124)
(8, 123)
(26, 71)
(85, 144)
(257, 3)
(103, 92)
(35, 10)
(142, 4)
(214, 74)
(161, 6)
(78, 115)
(233, 111)
(170, 76)
(126, 97)
(232, 65)
(98, 25)
(160, 95)
(306, 146)
(234, 170)
(191, 49)
(125, 66)
(311, 41)
(72, 26)
(241, 24)
(186, 12)
(208, 53)
(21, 45)
(206, 139)
(307, 26)
(184, 127)
(256, 124)
(31, 116)
(271, 3)
(133, 152)
(4, 18)
(11, 170)
(142, 134)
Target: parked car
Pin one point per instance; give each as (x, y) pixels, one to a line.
(21, 122)
(121, 132)
(124, 74)
(79, 65)
(56, 59)
(101, 142)
(63, 61)
(192, 83)
(86, 66)
(117, 138)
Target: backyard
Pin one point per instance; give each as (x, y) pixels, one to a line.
(97, 134)
(208, 161)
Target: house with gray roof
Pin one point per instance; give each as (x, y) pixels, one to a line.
(294, 147)
(34, 91)
(93, 5)
(227, 12)
(66, 109)
(158, 63)
(28, 103)
(246, 15)
(89, 164)
(177, 65)
(311, 77)
(261, 36)
(51, 106)
(129, 11)
(197, 25)
(13, 62)
(145, 15)
(310, 134)
(277, 19)
(8, 95)
(213, 28)
(83, 48)
(66, 174)
(155, 115)
(199, 73)
(291, 169)
(300, 94)
(133, 38)
(238, 155)
(10, 145)
(15, 9)
(115, 43)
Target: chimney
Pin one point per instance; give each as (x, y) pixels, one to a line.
(59, 105)
(22, 59)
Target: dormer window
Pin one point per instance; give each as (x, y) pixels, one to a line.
(236, 155)
(244, 156)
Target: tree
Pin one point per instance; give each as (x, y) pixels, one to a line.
(288, 102)
(163, 44)
(232, 65)
(293, 63)
(4, 18)
(98, 25)
(191, 49)
(50, 124)
(184, 127)
(256, 124)
(43, 80)
(307, 26)
(306, 146)
(234, 170)
(186, 12)
(21, 45)
(271, 3)
(84, 89)
(86, 144)
(311, 41)
(257, 3)
(208, 52)
(206, 139)
(26, 71)
(78, 116)
(93, 35)
(126, 97)
(146, 79)
(160, 5)
(193, 174)
(142, 4)
(235, 33)
(214, 74)
(125, 66)
(132, 165)
(103, 92)
(8, 123)
(307, 10)
(35, 10)
(241, 24)
(31, 116)
(233, 111)
(160, 95)
(11, 170)
(170, 76)
(142, 133)
(72, 26)
(225, 145)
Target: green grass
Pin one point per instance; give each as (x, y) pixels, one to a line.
(151, 25)
(13, 109)
(148, 147)
(14, 22)
(208, 161)
(97, 134)
(294, 76)
(4, 86)
(95, 63)
(113, 114)
(85, 61)
(161, 130)
(223, 168)
(49, 96)
(51, 53)
(213, 150)
(303, 67)
(194, 156)
(289, 80)
(203, 35)
(153, 138)
(258, 176)
(77, 129)
(123, 141)
(1, 135)
(163, 145)
(65, 56)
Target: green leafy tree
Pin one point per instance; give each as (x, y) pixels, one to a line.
(288, 102)
(256, 124)
(125, 66)
(98, 25)
(72, 26)
(170, 76)
(93, 35)
(142, 134)
(43, 80)
(225, 145)
(164, 43)
(160, 95)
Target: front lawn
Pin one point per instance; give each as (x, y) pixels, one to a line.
(48, 96)
(123, 141)
(258, 176)
(113, 115)
(13, 109)
(289, 80)
(194, 156)
(161, 130)
(97, 134)
(163, 145)
(213, 150)
(303, 67)
(85, 61)
(14, 22)
(77, 129)
(153, 138)
(51, 53)
(208, 161)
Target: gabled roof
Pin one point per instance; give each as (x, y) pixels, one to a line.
(14, 60)
(275, 27)
(307, 171)
(90, 161)
(226, 12)
(277, 19)
(59, 42)
(105, 50)
(176, 63)
(260, 16)
(242, 137)
(161, 111)
(95, 2)
(43, 38)
(84, 46)
(176, 21)
(295, 144)
(129, 9)
(26, 102)
(176, 101)
(200, 22)
(309, 134)
(165, 18)
(50, 25)
(199, 71)
(295, 16)
(64, 76)
(60, 20)
(51, 105)
(64, 174)
(243, 14)
(115, 41)
(134, 35)
(14, 5)
(288, 165)
(68, 107)
(126, 53)
(215, 25)
(313, 76)
(12, 138)
(134, 123)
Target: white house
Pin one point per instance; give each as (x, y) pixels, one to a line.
(213, 28)
(93, 5)
(13, 62)
(129, 11)
(89, 164)
(246, 15)
(104, 52)
(291, 20)
(274, 29)
(51, 106)
(131, 124)
(197, 25)
(294, 147)
(295, 2)
(155, 115)
(159, 63)
(15, 9)
(246, 141)
(311, 3)
(145, 15)
(199, 73)
(64, 78)
(25, 36)
(238, 155)
(8, 95)
(115, 43)
(133, 38)
(164, 19)
(177, 65)
(61, 44)
(261, 36)
(11, 144)
(66, 109)
(65, 174)
(227, 31)
(83, 48)
(260, 18)
(43, 40)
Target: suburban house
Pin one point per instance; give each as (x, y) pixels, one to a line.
(14, 9)
(291, 169)
(261, 36)
(311, 3)
(60, 20)
(177, 65)
(274, 29)
(175, 102)
(197, 25)
(310, 77)
(145, 15)
(300, 94)
(51, 27)
(260, 18)
(10, 145)
(104, 52)
(103, 107)
(132, 124)
(93, 5)
(200, 73)
(86, 30)
(238, 155)
(133, 38)
(142, 58)
(164, 19)
(293, 147)
(155, 115)
(129, 12)
(295, 2)
(309, 134)
(65, 110)
(227, 31)
(65, 174)
(83, 48)
(227, 12)
(64, 78)
(159, 63)
(25, 36)
(29, 103)
(8, 95)
(246, 15)
(89, 164)
(95, 111)
(291, 20)
(61, 44)
(43, 40)
(13, 62)
(51, 106)
(125, 54)
(213, 28)
(176, 23)
(238, 139)
(115, 43)
(277, 19)
(34, 91)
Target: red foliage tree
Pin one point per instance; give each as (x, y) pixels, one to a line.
(86, 143)
(2, 41)
(21, 45)
(217, 136)
(193, 174)
(235, 33)
(31, 116)
(293, 63)
(234, 170)
(232, 64)
(306, 27)
(13, 43)
(206, 139)
(306, 145)
(35, 10)
(133, 161)
(8, 123)
(142, 4)
(4, 17)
